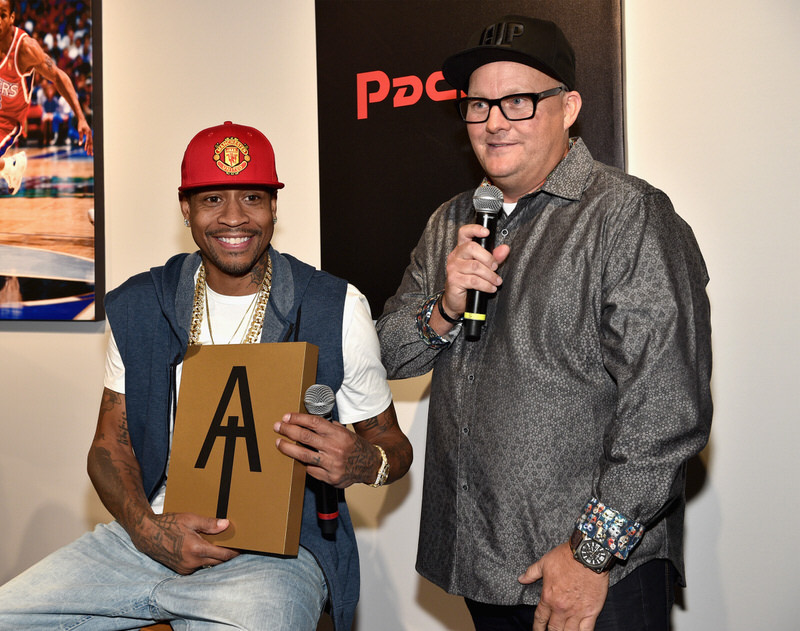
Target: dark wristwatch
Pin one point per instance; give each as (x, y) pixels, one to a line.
(590, 553)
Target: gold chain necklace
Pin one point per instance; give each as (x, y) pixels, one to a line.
(241, 320)
(201, 304)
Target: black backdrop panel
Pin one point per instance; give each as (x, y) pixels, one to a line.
(392, 147)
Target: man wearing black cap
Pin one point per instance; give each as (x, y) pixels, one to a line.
(558, 440)
(153, 565)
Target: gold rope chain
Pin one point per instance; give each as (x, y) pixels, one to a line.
(256, 323)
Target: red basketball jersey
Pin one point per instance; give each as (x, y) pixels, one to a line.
(15, 87)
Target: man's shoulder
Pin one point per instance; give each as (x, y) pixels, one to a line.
(612, 177)
(580, 173)
(135, 284)
(145, 282)
(302, 270)
(617, 195)
(27, 46)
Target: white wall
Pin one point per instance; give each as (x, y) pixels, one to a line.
(712, 91)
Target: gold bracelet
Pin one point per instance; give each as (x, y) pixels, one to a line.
(383, 472)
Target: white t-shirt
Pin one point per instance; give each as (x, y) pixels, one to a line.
(364, 392)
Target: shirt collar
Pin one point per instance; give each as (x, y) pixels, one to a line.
(568, 179)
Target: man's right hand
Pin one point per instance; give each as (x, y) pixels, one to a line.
(469, 266)
(175, 540)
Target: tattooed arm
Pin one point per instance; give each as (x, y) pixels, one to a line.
(173, 539)
(342, 457)
(32, 57)
(381, 430)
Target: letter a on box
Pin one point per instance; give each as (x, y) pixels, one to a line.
(224, 462)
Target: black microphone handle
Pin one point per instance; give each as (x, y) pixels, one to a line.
(475, 313)
(327, 504)
(319, 399)
(327, 508)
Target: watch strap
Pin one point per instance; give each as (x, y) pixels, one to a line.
(445, 316)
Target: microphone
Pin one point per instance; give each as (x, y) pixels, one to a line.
(487, 200)
(319, 400)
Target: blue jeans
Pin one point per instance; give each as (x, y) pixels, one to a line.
(640, 601)
(102, 582)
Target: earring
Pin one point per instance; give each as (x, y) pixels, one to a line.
(274, 220)
(186, 222)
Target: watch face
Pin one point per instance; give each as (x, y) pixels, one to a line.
(592, 554)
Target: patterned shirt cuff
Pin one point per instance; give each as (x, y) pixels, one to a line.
(610, 528)
(426, 332)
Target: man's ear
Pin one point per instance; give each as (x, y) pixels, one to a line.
(572, 107)
(184, 205)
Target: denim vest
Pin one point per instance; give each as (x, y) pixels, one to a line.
(150, 315)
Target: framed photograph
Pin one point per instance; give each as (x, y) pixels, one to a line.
(51, 195)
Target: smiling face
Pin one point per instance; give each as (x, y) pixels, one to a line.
(233, 229)
(518, 155)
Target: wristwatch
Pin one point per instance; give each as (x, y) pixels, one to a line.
(590, 553)
(383, 472)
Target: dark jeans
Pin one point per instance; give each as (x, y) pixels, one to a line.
(639, 602)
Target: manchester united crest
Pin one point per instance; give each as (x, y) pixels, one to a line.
(231, 155)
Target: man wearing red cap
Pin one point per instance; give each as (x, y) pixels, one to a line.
(558, 436)
(149, 565)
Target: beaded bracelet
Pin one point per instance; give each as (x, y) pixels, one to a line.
(426, 332)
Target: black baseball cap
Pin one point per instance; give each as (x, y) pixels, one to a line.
(530, 41)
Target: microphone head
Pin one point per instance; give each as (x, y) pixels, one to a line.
(487, 199)
(319, 399)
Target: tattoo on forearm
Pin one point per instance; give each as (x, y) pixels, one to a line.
(382, 429)
(114, 471)
(111, 403)
(166, 543)
(361, 460)
(382, 423)
(123, 438)
(371, 423)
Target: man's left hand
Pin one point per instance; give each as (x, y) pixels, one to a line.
(331, 452)
(572, 595)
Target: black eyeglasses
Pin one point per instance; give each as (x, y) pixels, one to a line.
(515, 107)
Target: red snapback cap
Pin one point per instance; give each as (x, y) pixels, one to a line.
(229, 155)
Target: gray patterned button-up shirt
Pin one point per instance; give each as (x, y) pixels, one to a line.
(591, 379)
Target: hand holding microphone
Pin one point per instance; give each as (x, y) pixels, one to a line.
(487, 200)
(319, 400)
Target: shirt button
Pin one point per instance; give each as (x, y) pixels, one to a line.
(471, 378)
(465, 430)
(504, 232)
(465, 487)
